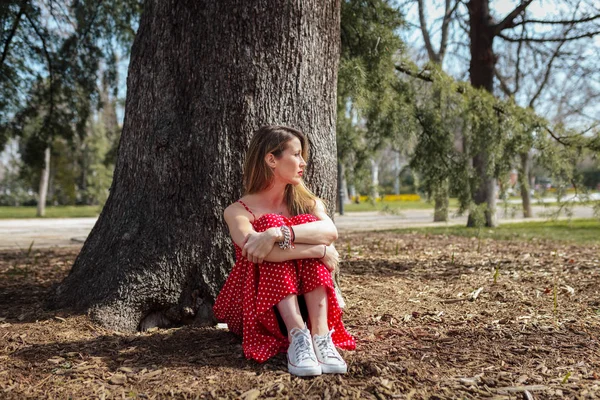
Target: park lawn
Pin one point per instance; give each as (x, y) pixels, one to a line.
(94, 211)
(51, 212)
(579, 231)
(387, 206)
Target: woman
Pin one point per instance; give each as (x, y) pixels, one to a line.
(283, 241)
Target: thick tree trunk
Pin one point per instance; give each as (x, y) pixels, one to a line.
(203, 77)
(481, 72)
(524, 184)
(44, 178)
(441, 199)
(481, 34)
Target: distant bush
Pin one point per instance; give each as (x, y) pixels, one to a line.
(16, 197)
(591, 178)
(388, 197)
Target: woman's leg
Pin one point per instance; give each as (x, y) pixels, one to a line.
(302, 360)
(329, 359)
(290, 313)
(316, 303)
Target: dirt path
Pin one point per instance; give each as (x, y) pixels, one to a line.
(428, 318)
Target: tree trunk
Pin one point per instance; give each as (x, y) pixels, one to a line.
(481, 34)
(485, 193)
(398, 165)
(203, 77)
(43, 194)
(342, 195)
(374, 192)
(481, 73)
(524, 184)
(441, 198)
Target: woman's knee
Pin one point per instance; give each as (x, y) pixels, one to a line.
(316, 297)
(314, 275)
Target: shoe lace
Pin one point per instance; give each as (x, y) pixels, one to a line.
(326, 347)
(302, 346)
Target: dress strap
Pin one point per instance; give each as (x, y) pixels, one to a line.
(247, 209)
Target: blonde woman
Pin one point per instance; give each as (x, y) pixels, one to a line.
(283, 239)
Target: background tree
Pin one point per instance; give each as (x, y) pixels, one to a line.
(366, 98)
(440, 192)
(553, 75)
(49, 68)
(483, 29)
(573, 22)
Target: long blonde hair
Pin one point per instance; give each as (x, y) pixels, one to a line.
(258, 176)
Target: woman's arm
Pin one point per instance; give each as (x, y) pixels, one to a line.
(327, 254)
(259, 246)
(318, 232)
(299, 251)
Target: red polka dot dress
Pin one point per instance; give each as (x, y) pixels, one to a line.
(247, 300)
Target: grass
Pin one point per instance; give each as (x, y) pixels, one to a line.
(581, 231)
(51, 212)
(395, 205)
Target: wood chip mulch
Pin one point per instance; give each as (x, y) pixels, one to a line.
(435, 317)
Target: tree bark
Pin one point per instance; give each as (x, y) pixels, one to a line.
(44, 178)
(524, 184)
(481, 73)
(441, 199)
(203, 77)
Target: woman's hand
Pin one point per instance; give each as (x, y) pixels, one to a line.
(332, 258)
(258, 244)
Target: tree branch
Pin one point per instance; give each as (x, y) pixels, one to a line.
(426, 38)
(558, 22)
(503, 85)
(420, 75)
(445, 26)
(508, 21)
(556, 137)
(541, 40)
(13, 30)
(50, 71)
(518, 64)
(547, 74)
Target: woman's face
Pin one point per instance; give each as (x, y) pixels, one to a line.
(289, 168)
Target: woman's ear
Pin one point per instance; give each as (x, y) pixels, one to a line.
(270, 160)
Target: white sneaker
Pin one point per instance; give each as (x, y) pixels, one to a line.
(301, 355)
(330, 360)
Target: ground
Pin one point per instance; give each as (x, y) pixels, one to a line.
(434, 317)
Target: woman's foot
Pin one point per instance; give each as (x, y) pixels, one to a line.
(329, 359)
(302, 360)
